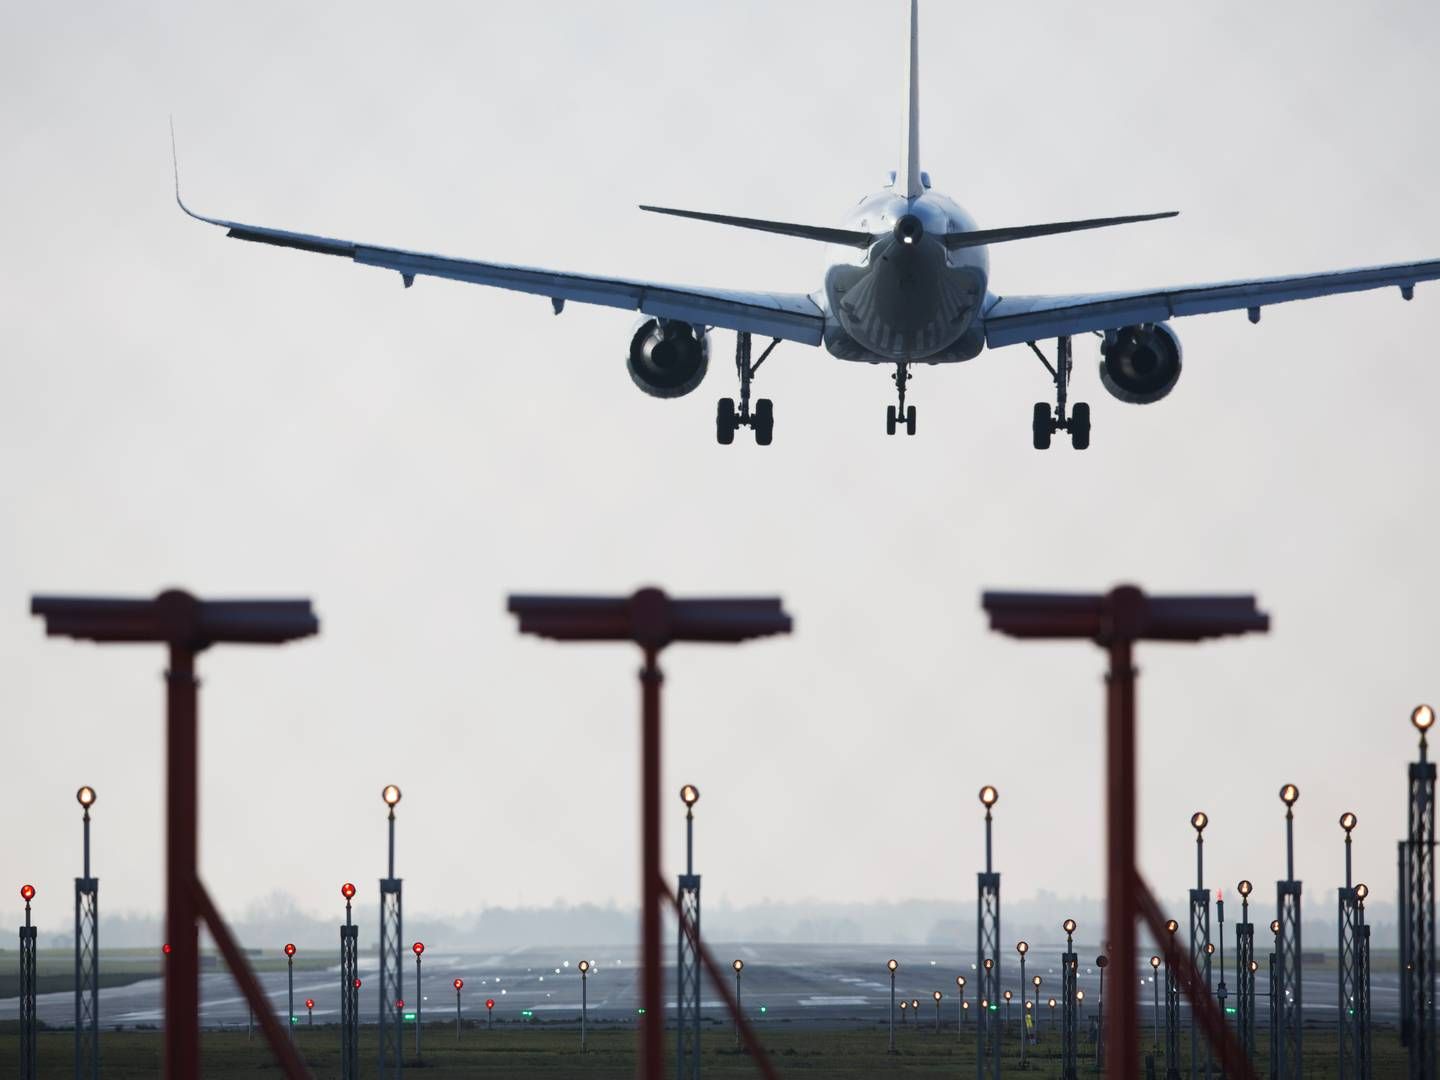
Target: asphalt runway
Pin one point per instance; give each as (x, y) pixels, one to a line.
(833, 985)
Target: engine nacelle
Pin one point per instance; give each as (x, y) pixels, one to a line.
(1141, 364)
(668, 359)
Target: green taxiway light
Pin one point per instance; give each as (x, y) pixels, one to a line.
(409, 1018)
(1229, 1011)
(762, 1009)
(994, 1008)
(527, 1013)
(640, 1012)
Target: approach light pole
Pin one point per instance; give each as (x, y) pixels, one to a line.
(1418, 908)
(310, 1012)
(489, 1013)
(1155, 1026)
(1116, 621)
(1069, 1004)
(188, 626)
(1022, 947)
(987, 944)
(1036, 982)
(419, 950)
(391, 1017)
(890, 965)
(459, 985)
(1101, 962)
(654, 621)
(738, 966)
(1172, 1006)
(350, 991)
(1199, 940)
(1351, 991)
(938, 996)
(687, 958)
(290, 990)
(87, 954)
(28, 1047)
(584, 968)
(1287, 900)
(962, 1007)
(1367, 1056)
(1245, 967)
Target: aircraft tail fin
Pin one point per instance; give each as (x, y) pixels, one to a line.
(909, 180)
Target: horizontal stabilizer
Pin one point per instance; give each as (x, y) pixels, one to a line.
(847, 237)
(982, 237)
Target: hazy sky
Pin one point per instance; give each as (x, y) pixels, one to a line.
(178, 408)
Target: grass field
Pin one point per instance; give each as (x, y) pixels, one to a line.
(539, 1051)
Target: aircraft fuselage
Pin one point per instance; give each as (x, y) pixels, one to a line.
(906, 298)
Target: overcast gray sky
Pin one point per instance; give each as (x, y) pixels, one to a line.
(177, 408)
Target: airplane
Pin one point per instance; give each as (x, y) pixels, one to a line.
(907, 282)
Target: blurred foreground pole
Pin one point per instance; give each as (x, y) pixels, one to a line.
(188, 626)
(1352, 991)
(27, 989)
(1115, 621)
(652, 620)
(1418, 930)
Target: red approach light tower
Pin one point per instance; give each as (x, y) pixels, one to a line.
(1116, 621)
(188, 626)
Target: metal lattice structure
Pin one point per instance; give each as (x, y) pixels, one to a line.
(1245, 982)
(27, 999)
(392, 979)
(987, 933)
(1287, 1039)
(1351, 1056)
(1402, 891)
(1200, 957)
(1172, 1025)
(349, 1002)
(687, 975)
(1368, 1054)
(1418, 950)
(87, 977)
(1069, 1016)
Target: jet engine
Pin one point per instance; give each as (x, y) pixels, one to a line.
(668, 358)
(1140, 364)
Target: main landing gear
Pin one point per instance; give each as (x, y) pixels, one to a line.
(728, 418)
(896, 415)
(1043, 424)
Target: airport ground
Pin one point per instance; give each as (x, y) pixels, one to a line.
(541, 1050)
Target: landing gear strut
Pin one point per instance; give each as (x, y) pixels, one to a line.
(728, 418)
(1043, 424)
(894, 415)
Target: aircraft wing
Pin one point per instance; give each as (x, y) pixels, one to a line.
(791, 316)
(1012, 319)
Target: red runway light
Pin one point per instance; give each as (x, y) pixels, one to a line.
(419, 947)
(165, 948)
(347, 890)
(459, 983)
(289, 949)
(489, 1003)
(399, 1003)
(309, 1003)
(27, 893)
(357, 984)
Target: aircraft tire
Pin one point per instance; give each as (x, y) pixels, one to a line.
(1080, 426)
(890, 420)
(764, 421)
(725, 421)
(910, 420)
(1040, 425)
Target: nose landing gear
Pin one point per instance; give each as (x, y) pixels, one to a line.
(729, 418)
(894, 416)
(1043, 424)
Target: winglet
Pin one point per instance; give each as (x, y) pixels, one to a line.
(175, 162)
(909, 179)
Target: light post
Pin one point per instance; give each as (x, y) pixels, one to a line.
(28, 1047)
(350, 991)
(419, 949)
(1069, 1005)
(739, 966)
(937, 1012)
(1155, 993)
(1022, 947)
(392, 970)
(1051, 1003)
(1199, 939)
(1367, 1060)
(1101, 962)
(1245, 967)
(1036, 982)
(1351, 1055)
(584, 969)
(1288, 955)
(310, 1012)
(987, 933)
(1221, 994)
(1417, 906)
(903, 1006)
(1005, 1028)
(459, 985)
(87, 955)
(1172, 1008)
(1274, 1000)
(687, 959)
(890, 965)
(290, 993)
(963, 1007)
(489, 1013)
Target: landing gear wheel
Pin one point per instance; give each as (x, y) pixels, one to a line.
(764, 421)
(890, 419)
(1080, 426)
(1041, 426)
(725, 424)
(910, 420)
